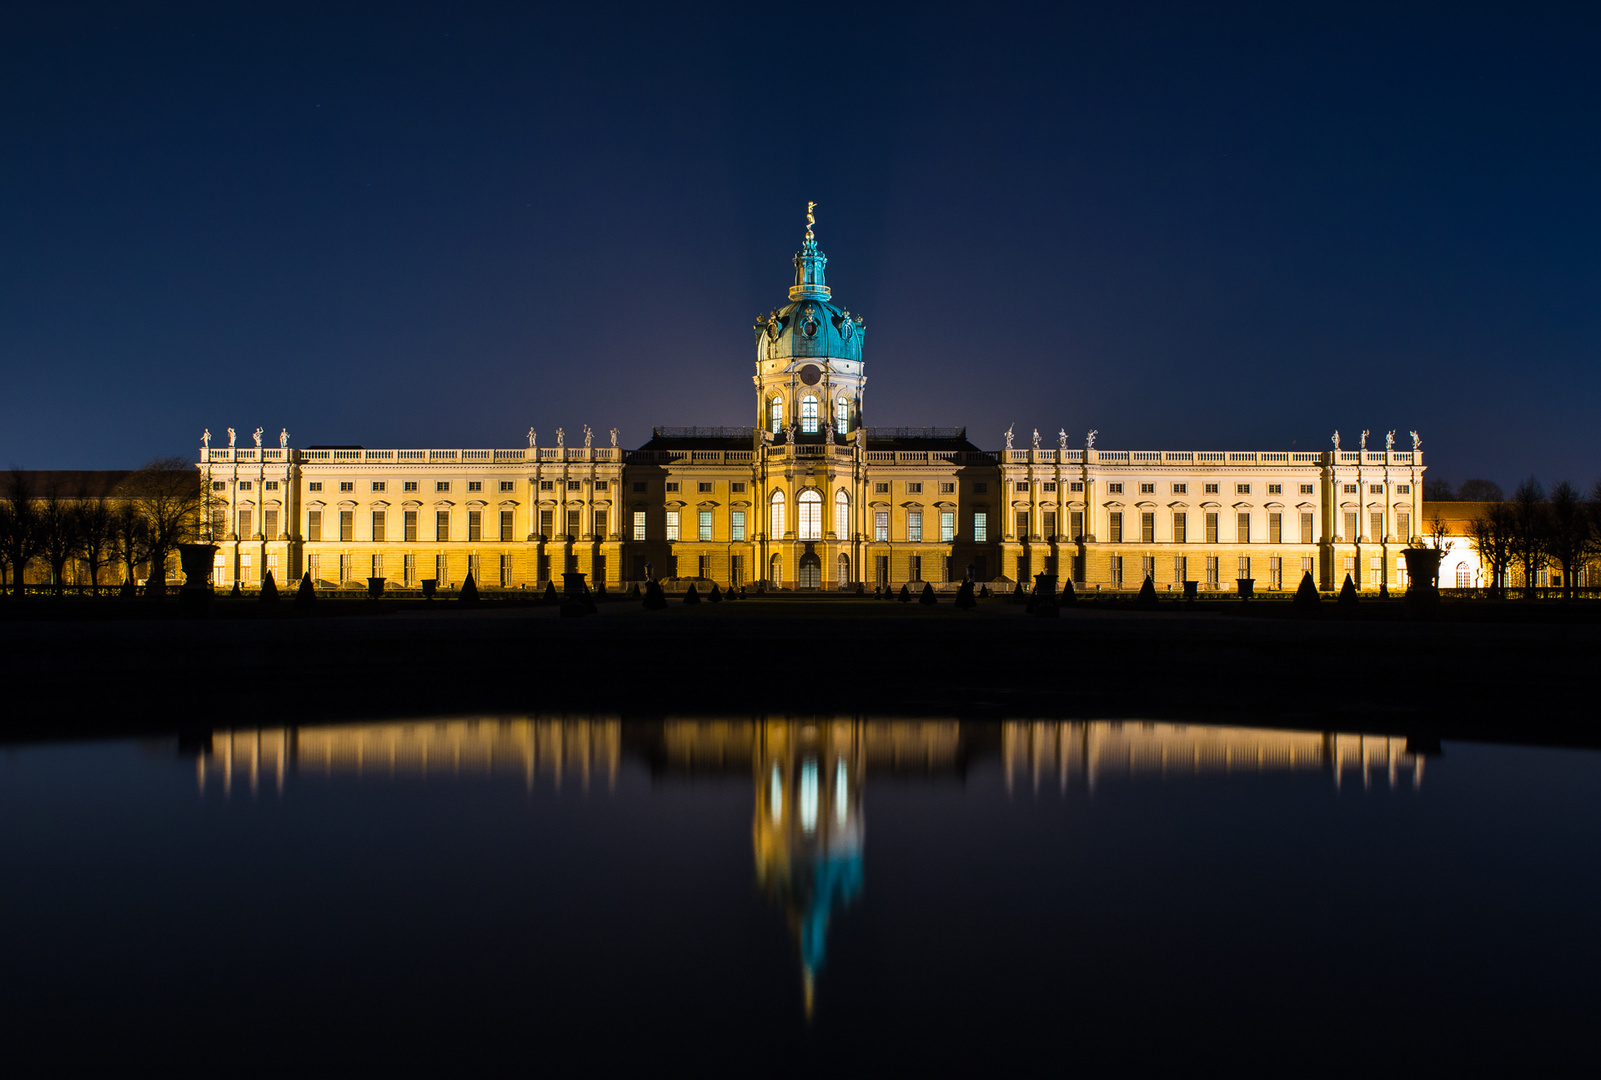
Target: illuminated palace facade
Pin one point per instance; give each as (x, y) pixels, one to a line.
(809, 498)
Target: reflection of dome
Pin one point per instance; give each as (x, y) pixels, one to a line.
(810, 324)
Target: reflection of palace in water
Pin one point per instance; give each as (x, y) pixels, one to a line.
(807, 827)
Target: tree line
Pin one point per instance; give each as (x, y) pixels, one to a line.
(1535, 529)
(140, 522)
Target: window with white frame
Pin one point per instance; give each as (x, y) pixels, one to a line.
(981, 527)
(703, 525)
(881, 525)
(736, 525)
(775, 515)
(842, 514)
(809, 520)
(639, 524)
(672, 524)
(914, 525)
(947, 526)
(809, 413)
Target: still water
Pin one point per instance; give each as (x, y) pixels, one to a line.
(788, 896)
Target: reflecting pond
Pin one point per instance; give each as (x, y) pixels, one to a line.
(780, 895)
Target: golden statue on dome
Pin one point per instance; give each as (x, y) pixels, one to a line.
(811, 219)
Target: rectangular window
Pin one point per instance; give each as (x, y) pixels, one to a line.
(736, 525)
(672, 487)
(881, 488)
(1209, 489)
(269, 523)
(1181, 569)
(704, 526)
(1148, 569)
(1375, 489)
(1148, 528)
(1181, 489)
(881, 570)
(1180, 527)
(602, 485)
(1242, 529)
(1306, 564)
(573, 526)
(441, 571)
(314, 525)
(347, 525)
(1211, 528)
(409, 485)
(1275, 489)
(1242, 489)
(272, 485)
(1244, 568)
(441, 485)
(1351, 535)
(219, 485)
(914, 525)
(1275, 573)
(408, 570)
(1376, 527)
(1403, 489)
(474, 568)
(344, 485)
(1076, 485)
(442, 525)
(547, 523)
(1211, 571)
(1114, 489)
(981, 568)
(1275, 528)
(377, 528)
(1020, 486)
(981, 527)
(947, 526)
(344, 568)
(914, 567)
(475, 485)
(1076, 525)
(1307, 536)
(1022, 523)
(980, 488)
(244, 485)
(600, 523)
(315, 485)
(1114, 527)
(1306, 489)
(881, 525)
(1049, 487)
(505, 569)
(737, 487)
(640, 487)
(736, 570)
(704, 570)
(379, 485)
(575, 485)
(314, 567)
(219, 524)
(1050, 525)
(947, 488)
(1403, 526)
(411, 525)
(914, 488)
(505, 525)
(1350, 489)
(377, 566)
(1147, 489)
(1117, 571)
(547, 485)
(475, 526)
(672, 524)
(704, 487)
(244, 525)
(505, 485)
(639, 524)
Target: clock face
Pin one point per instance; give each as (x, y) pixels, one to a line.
(810, 374)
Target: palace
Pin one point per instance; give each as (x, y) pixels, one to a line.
(810, 498)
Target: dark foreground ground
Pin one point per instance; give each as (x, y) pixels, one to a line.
(1522, 678)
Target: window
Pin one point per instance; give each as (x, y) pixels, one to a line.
(270, 485)
(600, 525)
(736, 570)
(704, 526)
(981, 527)
(1306, 489)
(505, 485)
(1211, 571)
(547, 485)
(1275, 528)
(1209, 489)
(1181, 569)
(1147, 489)
(344, 485)
(244, 525)
(315, 485)
(1243, 569)
(505, 525)
(947, 526)
(1351, 536)
(842, 423)
(1242, 528)
(881, 488)
(409, 485)
(377, 528)
(410, 525)
(269, 523)
(1050, 524)
(1375, 489)
(377, 566)
(704, 487)
(575, 485)
(1275, 489)
(1242, 489)
(1307, 536)
(505, 569)
(1048, 486)
(573, 524)
(914, 525)
(1403, 489)
(379, 485)
(442, 525)
(219, 527)
(408, 570)
(672, 524)
(775, 415)
(737, 487)
(1147, 528)
(639, 524)
(704, 568)
(947, 488)
(219, 485)
(1350, 489)
(736, 525)
(1403, 526)
(914, 567)
(776, 517)
(881, 570)
(672, 487)
(602, 485)
(547, 523)
(475, 526)
(1076, 524)
(914, 488)
(1114, 489)
(1306, 564)
(1076, 485)
(1114, 527)
(1117, 571)
(1180, 525)
(981, 488)
(1275, 573)
(314, 525)
(809, 414)
(347, 525)
(244, 485)
(1148, 569)
(1020, 486)
(441, 571)
(1376, 526)
(1181, 489)
(1211, 528)
(640, 487)
(473, 567)
(1021, 517)
(842, 515)
(441, 485)
(475, 485)
(881, 525)
(344, 568)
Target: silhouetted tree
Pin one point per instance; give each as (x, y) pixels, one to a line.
(1147, 596)
(1530, 531)
(1571, 537)
(130, 540)
(58, 532)
(20, 536)
(715, 596)
(269, 589)
(169, 496)
(469, 590)
(1307, 599)
(1438, 489)
(964, 596)
(96, 536)
(1347, 597)
(1479, 490)
(1490, 533)
(690, 595)
(928, 596)
(905, 596)
(306, 595)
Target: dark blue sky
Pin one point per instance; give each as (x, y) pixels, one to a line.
(438, 225)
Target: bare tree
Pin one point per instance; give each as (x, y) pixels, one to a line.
(1570, 533)
(1438, 489)
(1530, 531)
(58, 532)
(96, 537)
(168, 495)
(1491, 536)
(130, 536)
(20, 536)
(1479, 490)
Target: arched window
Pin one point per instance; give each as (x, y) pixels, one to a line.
(844, 570)
(842, 415)
(776, 515)
(1464, 576)
(809, 413)
(811, 571)
(775, 414)
(809, 517)
(842, 515)
(776, 569)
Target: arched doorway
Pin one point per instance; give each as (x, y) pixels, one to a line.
(844, 570)
(811, 571)
(1464, 576)
(776, 571)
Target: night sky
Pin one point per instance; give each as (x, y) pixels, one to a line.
(438, 225)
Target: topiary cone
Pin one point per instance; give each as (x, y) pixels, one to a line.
(1147, 597)
(306, 595)
(1347, 593)
(928, 596)
(906, 595)
(269, 589)
(469, 590)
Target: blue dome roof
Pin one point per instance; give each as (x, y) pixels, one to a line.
(809, 327)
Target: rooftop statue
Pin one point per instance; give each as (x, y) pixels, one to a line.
(533, 438)
(1089, 440)
(560, 435)
(1061, 438)
(1336, 440)
(231, 438)
(205, 438)
(283, 438)
(1417, 443)
(1009, 438)
(1364, 438)
(811, 219)
(257, 436)
(1036, 438)
(614, 437)
(588, 435)
(1389, 440)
